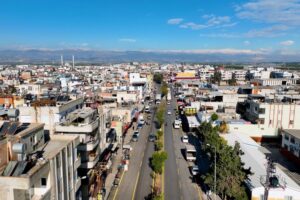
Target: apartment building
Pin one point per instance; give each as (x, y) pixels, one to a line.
(291, 144)
(274, 82)
(91, 128)
(32, 169)
(49, 111)
(281, 115)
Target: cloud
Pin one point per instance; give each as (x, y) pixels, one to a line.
(272, 31)
(285, 12)
(220, 35)
(175, 21)
(287, 43)
(211, 21)
(193, 26)
(130, 40)
(247, 43)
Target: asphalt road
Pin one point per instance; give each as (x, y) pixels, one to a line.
(171, 186)
(144, 184)
(128, 186)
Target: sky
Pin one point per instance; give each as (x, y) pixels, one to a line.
(224, 26)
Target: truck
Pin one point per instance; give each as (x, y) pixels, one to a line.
(190, 153)
(157, 98)
(169, 97)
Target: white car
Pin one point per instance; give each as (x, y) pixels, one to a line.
(195, 170)
(169, 112)
(185, 139)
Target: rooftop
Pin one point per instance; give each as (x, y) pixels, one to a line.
(293, 132)
(255, 158)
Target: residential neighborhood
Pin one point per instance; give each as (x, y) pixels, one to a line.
(73, 131)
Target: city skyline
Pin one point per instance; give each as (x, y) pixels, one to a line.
(256, 27)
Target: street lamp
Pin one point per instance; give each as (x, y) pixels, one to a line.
(215, 170)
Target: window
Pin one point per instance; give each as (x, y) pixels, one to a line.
(261, 121)
(43, 182)
(288, 198)
(292, 122)
(262, 111)
(293, 140)
(286, 137)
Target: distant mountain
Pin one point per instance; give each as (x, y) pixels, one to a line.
(94, 56)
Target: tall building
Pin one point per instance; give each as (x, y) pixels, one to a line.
(32, 169)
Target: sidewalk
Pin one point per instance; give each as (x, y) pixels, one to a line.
(116, 162)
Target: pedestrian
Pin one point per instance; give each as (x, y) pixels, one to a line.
(132, 127)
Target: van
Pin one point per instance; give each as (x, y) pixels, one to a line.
(177, 124)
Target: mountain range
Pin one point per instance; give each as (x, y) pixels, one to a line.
(97, 56)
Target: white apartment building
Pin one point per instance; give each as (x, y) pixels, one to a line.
(206, 72)
(48, 113)
(38, 170)
(273, 115)
(291, 142)
(273, 82)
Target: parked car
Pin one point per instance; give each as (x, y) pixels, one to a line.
(185, 139)
(195, 170)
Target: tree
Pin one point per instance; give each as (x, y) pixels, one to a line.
(158, 160)
(232, 81)
(223, 128)
(160, 113)
(164, 89)
(158, 78)
(214, 117)
(231, 173)
(159, 145)
(217, 77)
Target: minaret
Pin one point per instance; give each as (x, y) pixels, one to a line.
(73, 59)
(62, 60)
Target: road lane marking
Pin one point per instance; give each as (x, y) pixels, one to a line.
(135, 186)
(137, 179)
(119, 185)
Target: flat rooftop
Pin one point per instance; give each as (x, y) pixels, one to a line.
(293, 132)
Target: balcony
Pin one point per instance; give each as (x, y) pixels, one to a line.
(77, 127)
(92, 161)
(89, 146)
(77, 162)
(41, 193)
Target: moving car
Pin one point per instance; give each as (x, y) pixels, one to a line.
(136, 133)
(177, 124)
(135, 138)
(152, 138)
(169, 112)
(185, 139)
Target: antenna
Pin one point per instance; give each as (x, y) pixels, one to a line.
(62, 60)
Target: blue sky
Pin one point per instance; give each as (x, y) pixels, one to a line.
(179, 25)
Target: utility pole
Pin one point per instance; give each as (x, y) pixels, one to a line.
(271, 180)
